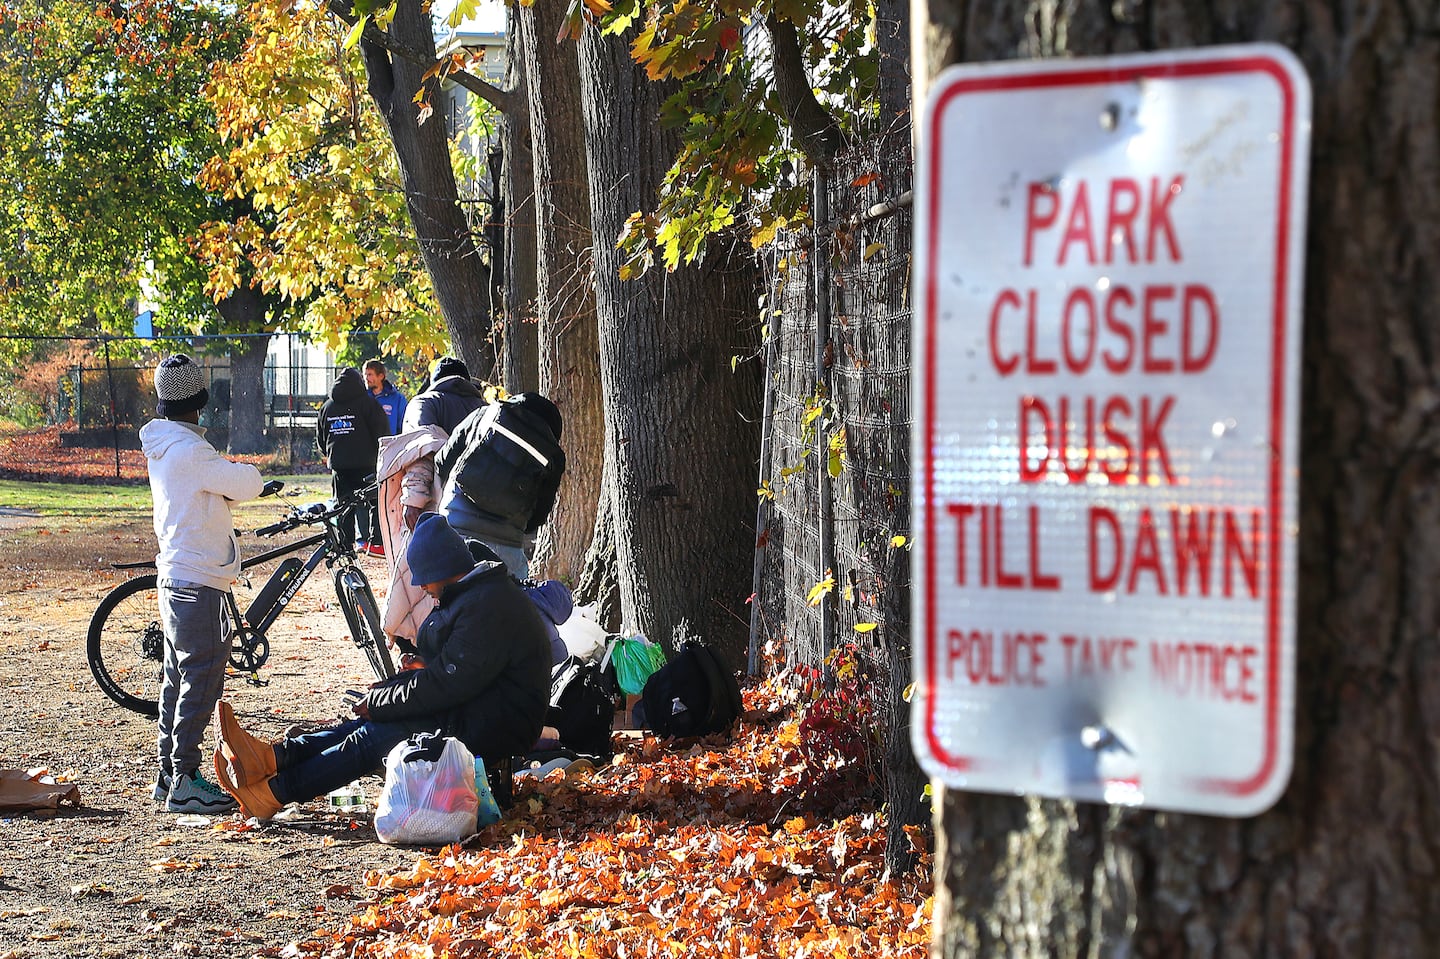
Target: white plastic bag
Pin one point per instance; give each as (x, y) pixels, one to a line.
(429, 796)
(582, 635)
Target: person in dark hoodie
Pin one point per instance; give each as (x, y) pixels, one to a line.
(348, 434)
(481, 674)
(500, 471)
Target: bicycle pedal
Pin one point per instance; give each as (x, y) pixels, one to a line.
(254, 680)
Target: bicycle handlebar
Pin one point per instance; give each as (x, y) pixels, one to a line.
(319, 512)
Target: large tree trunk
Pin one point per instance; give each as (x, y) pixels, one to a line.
(521, 255)
(458, 276)
(1344, 864)
(569, 341)
(245, 309)
(679, 425)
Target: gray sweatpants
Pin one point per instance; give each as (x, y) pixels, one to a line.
(197, 645)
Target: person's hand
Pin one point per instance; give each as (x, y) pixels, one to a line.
(411, 661)
(412, 516)
(361, 709)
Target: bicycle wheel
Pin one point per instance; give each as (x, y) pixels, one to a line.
(363, 618)
(126, 645)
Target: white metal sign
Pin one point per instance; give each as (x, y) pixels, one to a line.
(1108, 265)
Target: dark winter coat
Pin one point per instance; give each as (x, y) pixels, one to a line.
(444, 404)
(495, 489)
(350, 425)
(486, 678)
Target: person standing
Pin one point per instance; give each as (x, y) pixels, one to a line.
(500, 472)
(482, 675)
(406, 473)
(192, 486)
(392, 401)
(348, 433)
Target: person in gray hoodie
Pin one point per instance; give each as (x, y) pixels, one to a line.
(192, 486)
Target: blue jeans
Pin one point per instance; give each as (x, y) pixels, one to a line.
(316, 763)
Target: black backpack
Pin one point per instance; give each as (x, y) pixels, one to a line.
(582, 706)
(694, 694)
(507, 470)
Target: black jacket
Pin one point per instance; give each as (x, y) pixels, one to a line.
(500, 491)
(444, 404)
(486, 679)
(350, 425)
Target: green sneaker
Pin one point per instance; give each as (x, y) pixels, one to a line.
(192, 792)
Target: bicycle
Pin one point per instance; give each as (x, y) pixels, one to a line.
(126, 644)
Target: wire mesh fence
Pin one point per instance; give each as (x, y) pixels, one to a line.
(832, 556)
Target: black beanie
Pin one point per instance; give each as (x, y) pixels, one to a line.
(436, 552)
(448, 366)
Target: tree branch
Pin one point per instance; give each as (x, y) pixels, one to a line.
(816, 132)
(502, 100)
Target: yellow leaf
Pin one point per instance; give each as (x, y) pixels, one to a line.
(898, 540)
(353, 37)
(820, 590)
(871, 250)
(865, 627)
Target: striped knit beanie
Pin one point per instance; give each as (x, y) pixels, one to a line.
(180, 384)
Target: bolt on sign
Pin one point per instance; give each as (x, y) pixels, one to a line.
(1108, 259)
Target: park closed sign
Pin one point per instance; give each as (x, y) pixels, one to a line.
(1108, 260)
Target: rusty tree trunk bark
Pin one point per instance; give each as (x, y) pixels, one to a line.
(1344, 864)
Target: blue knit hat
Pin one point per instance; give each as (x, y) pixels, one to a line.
(436, 551)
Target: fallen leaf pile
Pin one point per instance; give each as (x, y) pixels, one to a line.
(718, 849)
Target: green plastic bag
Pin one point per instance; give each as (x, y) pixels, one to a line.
(635, 658)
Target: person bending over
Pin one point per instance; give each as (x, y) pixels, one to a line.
(481, 674)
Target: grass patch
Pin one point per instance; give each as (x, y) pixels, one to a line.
(120, 502)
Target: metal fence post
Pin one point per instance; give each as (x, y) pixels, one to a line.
(820, 257)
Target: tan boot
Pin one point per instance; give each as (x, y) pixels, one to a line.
(256, 800)
(248, 759)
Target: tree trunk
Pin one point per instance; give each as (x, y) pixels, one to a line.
(247, 396)
(569, 341)
(1344, 864)
(680, 433)
(521, 256)
(459, 278)
(245, 309)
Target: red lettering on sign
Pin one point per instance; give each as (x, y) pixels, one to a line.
(1156, 330)
(989, 527)
(1206, 670)
(1085, 655)
(1142, 556)
(985, 659)
(1062, 439)
(1047, 205)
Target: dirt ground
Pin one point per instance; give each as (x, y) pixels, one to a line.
(119, 877)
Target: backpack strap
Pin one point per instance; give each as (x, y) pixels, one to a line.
(491, 421)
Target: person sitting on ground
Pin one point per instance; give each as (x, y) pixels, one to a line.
(500, 471)
(406, 474)
(481, 674)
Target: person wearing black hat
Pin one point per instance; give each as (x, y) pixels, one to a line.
(193, 487)
(481, 674)
(500, 472)
(348, 432)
